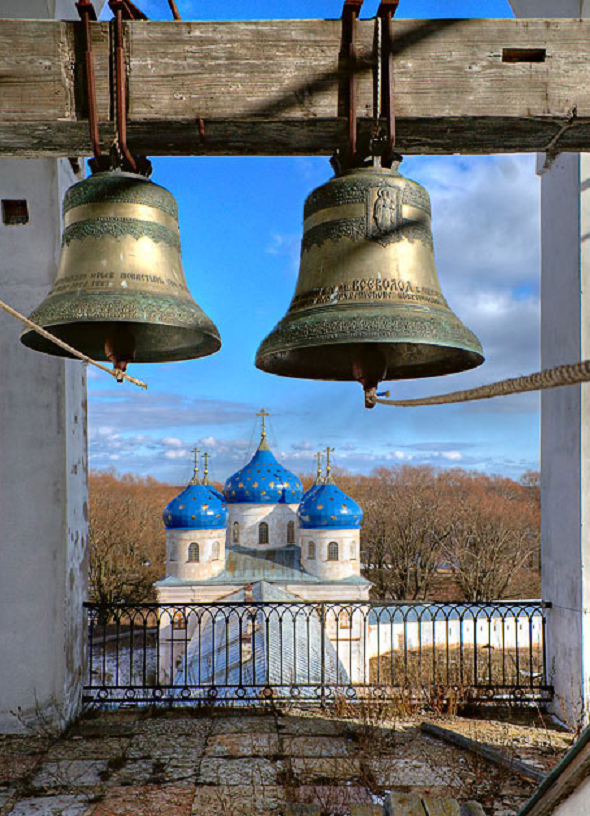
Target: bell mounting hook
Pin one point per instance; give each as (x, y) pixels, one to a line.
(125, 10)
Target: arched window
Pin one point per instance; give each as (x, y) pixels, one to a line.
(311, 550)
(291, 532)
(236, 533)
(333, 551)
(193, 552)
(353, 551)
(215, 551)
(263, 533)
(344, 618)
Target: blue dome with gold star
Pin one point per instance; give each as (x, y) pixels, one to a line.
(198, 507)
(326, 506)
(263, 481)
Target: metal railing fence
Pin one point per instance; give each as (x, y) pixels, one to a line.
(315, 652)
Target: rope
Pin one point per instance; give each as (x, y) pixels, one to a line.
(571, 374)
(118, 375)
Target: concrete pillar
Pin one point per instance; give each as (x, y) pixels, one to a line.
(565, 412)
(43, 455)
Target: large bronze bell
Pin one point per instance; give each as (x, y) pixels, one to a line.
(120, 293)
(368, 305)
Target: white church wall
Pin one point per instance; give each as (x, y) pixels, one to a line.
(248, 517)
(348, 563)
(509, 633)
(210, 551)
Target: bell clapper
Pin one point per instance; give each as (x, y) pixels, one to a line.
(119, 349)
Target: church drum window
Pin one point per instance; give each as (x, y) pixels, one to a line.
(215, 551)
(193, 552)
(291, 532)
(333, 551)
(344, 619)
(311, 550)
(263, 533)
(236, 533)
(179, 620)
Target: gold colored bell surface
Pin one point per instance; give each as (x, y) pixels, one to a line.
(120, 293)
(368, 305)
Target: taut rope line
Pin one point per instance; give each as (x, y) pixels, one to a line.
(571, 374)
(118, 375)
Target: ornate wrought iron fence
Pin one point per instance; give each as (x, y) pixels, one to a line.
(314, 652)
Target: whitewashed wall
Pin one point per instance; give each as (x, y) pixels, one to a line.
(348, 563)
(249, 516)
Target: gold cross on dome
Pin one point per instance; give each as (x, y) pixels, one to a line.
(319, 471)
(263, 414)
(196, 452)
(206, 458)
(328, 452)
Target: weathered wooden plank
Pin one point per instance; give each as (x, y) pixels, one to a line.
(270, 87)
(42, 71)
(488, 752)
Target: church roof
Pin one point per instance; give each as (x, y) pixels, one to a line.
(279, 566)
(198, 507)
(247, 657)
(263, 481)
(328, 507)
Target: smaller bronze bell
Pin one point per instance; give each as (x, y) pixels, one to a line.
(120, 293)
(368, 304)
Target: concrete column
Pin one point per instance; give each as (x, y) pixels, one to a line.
(565, 412)
(43, 455)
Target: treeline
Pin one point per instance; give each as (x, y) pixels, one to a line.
(449, 534)
(452, 534)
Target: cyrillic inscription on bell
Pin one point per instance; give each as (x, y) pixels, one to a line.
(368, 305)
(120, 293)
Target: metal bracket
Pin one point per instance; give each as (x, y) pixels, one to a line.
(124, 9)
(87, 14)
(347, 69)
(385, 14)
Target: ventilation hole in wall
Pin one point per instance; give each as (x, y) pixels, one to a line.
(523, 54)
(15, 211)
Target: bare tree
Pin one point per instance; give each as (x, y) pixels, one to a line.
(126, 538)
(405, 526)
(494, 534)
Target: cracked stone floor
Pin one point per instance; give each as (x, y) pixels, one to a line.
(243, 762)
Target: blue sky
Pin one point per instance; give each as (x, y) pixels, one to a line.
(240, 224)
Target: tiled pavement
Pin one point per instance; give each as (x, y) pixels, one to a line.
(237, 763)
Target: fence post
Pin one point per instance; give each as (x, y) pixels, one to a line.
(323, 655)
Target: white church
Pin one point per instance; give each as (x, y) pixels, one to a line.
(262, 540)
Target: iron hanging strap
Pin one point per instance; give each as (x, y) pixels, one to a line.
(87, 14)
(385, 14)
(118, 6)
(347, 84)
(125, 10)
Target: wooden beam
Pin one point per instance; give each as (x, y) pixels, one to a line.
(271, 87)
(489, 752)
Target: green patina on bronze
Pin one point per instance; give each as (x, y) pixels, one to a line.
(120, 188)
(135, 307)
(343, 190)
(100, 226)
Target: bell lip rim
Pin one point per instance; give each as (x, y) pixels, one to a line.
(416, 376)
(214, 343)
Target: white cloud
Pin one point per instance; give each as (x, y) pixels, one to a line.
(453, 456)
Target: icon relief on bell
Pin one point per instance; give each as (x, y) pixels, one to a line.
(386, 215)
